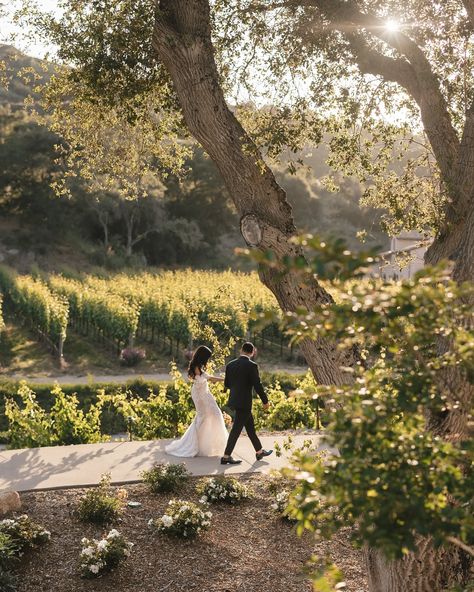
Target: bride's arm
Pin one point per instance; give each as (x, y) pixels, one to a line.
(215, 378)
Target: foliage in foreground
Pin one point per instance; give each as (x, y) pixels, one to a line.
(100, 505)
(165, 478)
(394, 478)
(98, 557)
(182, 519)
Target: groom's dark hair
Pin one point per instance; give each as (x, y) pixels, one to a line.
(248, 347)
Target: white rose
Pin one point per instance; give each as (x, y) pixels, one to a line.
(167, 520)
(94, 569)
(88, 551)
(113, 534)
(103, 544)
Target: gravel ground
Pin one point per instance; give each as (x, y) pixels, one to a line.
(247, 548)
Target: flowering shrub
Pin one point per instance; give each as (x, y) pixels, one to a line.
(132, 356)
(182, 519)
(8, 550)
(99, 505)
(221, 489)
(280, 505)
(167, 477)
(101, 556)
(23, 534)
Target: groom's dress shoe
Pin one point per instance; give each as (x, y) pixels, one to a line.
(260, 455)
(230, 461)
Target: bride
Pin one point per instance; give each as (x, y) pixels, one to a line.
(207, 434)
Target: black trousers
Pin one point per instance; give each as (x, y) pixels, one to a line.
(243, 418)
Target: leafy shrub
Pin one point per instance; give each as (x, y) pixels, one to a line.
(29, 425)
(280, 505)
(24, 534)
(98, 505)
(182, 519)
(167, 477)
(8, 550)
(132, 356)
(98, 557)
(50, 415)
(8, 582)
(221, 489)
(290, 414)
(275, 395)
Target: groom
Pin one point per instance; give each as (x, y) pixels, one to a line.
(241, 375)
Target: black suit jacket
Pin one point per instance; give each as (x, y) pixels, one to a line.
(241, 375)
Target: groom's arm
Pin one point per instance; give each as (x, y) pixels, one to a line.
(257, 384)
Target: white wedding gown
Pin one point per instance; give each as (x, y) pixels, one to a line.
(207, 434)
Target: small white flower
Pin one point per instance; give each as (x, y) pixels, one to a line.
(151, 522)
(167, 520)
(102, 545)
(113, 534)
(208, 514)
(85, 541)
(203, 500)
(88, 551)
(275, 506)
(94, 568)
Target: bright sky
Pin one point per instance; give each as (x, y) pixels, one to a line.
(14, 35)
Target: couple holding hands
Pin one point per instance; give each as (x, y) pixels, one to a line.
(207, 434)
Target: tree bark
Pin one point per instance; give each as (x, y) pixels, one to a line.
(427, 570)
(182, 40)
(104, 222)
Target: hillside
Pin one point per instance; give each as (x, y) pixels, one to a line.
(23, 73)
(184, 221)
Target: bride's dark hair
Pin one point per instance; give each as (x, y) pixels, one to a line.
(199, 360)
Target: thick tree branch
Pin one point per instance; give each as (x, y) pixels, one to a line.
(390, 69)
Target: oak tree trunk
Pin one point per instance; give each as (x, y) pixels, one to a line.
(427, 570)
(182, 40)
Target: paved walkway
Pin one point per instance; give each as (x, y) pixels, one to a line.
(82, 465)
